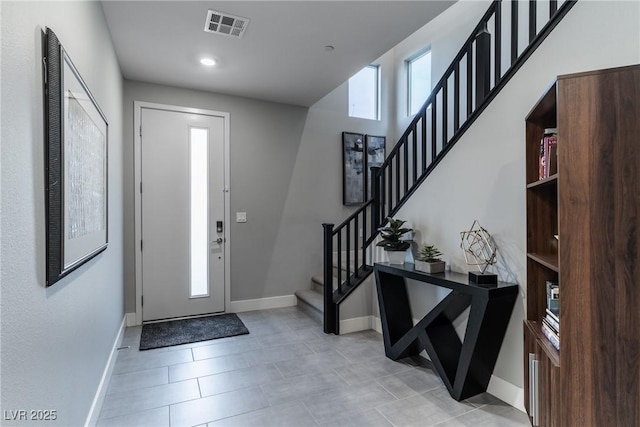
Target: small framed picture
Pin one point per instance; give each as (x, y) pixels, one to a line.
(353, 173)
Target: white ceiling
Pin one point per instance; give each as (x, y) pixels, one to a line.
(281, 57)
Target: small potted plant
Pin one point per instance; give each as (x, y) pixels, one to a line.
(429, 260)
(392, 242)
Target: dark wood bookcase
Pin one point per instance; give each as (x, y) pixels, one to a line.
(593, 204)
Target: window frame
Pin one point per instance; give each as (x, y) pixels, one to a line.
(377, 94)
(408, 64)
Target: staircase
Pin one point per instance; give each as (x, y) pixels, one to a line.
(311, 301)
(474, 78)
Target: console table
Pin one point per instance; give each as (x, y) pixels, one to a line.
(464, 366)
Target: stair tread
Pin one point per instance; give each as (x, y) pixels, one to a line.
(319, 279)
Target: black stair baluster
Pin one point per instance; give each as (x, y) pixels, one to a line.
(497, 35)
(483, 64)
(553, 7)
(389, 199)
(469, 80)
(382, 191)
(377, 189)
(456, 98)
(339, 272)
(377, 202)
(397, 178)
(348, 255)
(445, 111)
(514, 31)
(434, 128)
(424, 140)
(406, 166)
(329, 312)
(533, 29)
(415, 154)
(384, 195)
(356, 230)
(364, 226)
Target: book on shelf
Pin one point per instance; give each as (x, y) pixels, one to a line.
(553, 316)
(553, 297)
(552, 322)
(553, 338)
(548, 164)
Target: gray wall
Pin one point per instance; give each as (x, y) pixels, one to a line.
(483, 177)
(264, 142)
(285, 173)
(55, 341)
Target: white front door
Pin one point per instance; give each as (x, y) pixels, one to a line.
(182, 204)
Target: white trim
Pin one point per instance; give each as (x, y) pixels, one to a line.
(262, 303)
(130, 319)
(98, 399)
(355, 324)
(137, 177)
(376, 324)
(507, 392)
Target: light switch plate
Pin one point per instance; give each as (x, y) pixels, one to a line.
(241, 217)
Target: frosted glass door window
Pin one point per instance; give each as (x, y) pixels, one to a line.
(199, 212)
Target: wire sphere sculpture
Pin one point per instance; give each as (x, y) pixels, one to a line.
(478, 247)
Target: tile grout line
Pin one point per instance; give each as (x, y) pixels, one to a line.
(313, 417)
(383, 416)
(199, 389)
(147, 386)
(386, 389)
(154, 407)
(453, 418)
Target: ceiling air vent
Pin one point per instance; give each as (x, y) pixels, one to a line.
(225, 24)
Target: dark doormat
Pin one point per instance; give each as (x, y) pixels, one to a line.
(176, 332)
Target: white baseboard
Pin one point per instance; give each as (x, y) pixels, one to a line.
(507, 392)
(130, 319)
(376, 324)
(98, 399)
(262, 303)
(355, 325)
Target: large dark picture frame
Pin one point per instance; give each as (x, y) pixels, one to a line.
(353, 163)
(376, 153)
(76, 180)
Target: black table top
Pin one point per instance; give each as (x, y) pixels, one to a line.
(452, 280)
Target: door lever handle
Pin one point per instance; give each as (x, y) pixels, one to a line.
(219, 240)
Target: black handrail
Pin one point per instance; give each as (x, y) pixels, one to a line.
(429, 138)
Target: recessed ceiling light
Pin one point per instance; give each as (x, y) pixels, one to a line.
(209, 62)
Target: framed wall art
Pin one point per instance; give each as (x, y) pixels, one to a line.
(353, 162)
(76, 134)
(376, 153)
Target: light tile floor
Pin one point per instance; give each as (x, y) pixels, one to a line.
(286, 372)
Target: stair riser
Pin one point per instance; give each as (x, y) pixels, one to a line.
(318, 287)
(311, 311)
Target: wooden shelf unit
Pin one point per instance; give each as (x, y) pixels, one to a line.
(593, 204)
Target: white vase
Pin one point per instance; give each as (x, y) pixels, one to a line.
(396, 257)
